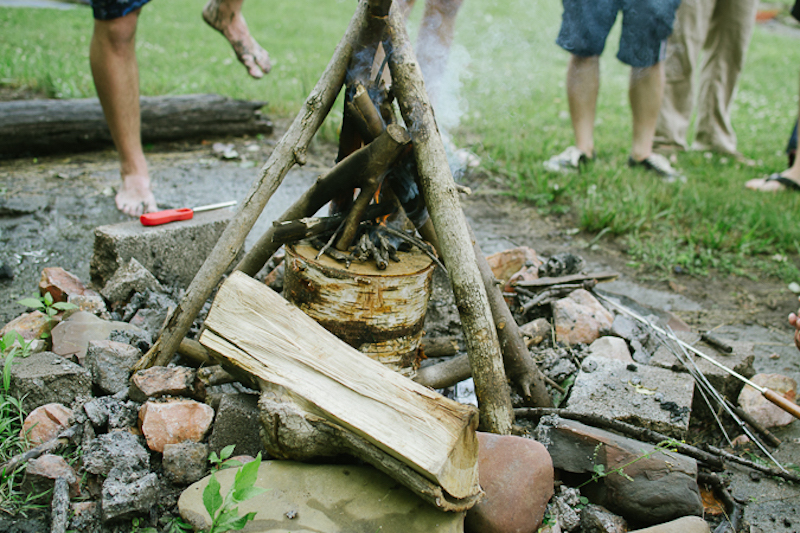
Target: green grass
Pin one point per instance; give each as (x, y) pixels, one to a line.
(512, 112)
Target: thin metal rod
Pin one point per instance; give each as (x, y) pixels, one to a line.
(213, 206)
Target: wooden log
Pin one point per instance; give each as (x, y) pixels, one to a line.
(289, 150)
(48, 126)
(261, 333)
(441, 198)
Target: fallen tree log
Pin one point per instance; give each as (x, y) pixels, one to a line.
(48, 126)
(414, 428)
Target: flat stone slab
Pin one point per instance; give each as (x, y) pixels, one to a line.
(306, 498)
(642, 395)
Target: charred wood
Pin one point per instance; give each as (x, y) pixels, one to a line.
(295, 230)
(573, 278)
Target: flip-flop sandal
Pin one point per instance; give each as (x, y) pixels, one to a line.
(786, 182)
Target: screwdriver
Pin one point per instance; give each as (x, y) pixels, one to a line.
(184, 213)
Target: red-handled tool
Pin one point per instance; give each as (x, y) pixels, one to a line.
(184, 213)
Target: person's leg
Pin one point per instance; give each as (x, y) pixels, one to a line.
(730, 30)
(583, 86)
(434, 41)
(226, 17)
(645, 93)
(683, 51)
(112, 56)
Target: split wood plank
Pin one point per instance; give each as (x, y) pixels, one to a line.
(258, 331)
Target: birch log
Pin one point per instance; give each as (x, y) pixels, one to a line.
(261, 333)
(289, 150)
(442, 200)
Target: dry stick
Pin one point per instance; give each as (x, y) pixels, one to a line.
(752, 422)
(289, 150)
(711, 460)
(755, 466)
(345, 174)
(302, 228)
(53, 444)
(59, 509)
(790, 407)
(353, 219)
(442, 200)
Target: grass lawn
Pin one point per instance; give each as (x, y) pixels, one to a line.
(510, 109)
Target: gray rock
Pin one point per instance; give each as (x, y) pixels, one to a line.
(127, 493)
(629, 392)
(172, 252)
(329, 498)
(686, 524)
(110, 363)
(85, 517)
(127, 280)
(237, 422)
(115, 449)
(656, 487)
(186, 462)
(46, 377)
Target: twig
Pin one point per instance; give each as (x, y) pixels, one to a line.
(419, 243)
(755, 466)
(59, 509)
(53, 444)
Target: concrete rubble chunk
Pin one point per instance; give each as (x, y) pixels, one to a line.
(611, 348)
(517, 476)
(61, 284)
(764, 411)
(173, 253)
(118, 448)
(185, 462)
(45, 423)
(642, 395)
(598, 519)
(44, 378)
(129, 279)
(108, 412)
(85, 517)
(580, 318)
(237, 422)
(174, 421)
(127, 493)
(329, 498)
(159, 381)
(71, 337)
(110, 363)
(90, 302)
(657, 485)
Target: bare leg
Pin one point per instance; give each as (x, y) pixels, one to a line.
(434, 42)
(226, 17)
(112, 57)
(645, 92)
(583, 86)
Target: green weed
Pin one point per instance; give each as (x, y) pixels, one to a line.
(46, 305)
(223, 460)
(224, 511)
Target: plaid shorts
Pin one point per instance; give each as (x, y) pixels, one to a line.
(646, 24)
(114, 9)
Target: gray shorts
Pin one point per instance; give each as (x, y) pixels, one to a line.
(646, 24)
(114, 9)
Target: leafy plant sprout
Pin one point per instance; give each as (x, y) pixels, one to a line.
(46, 305)
(600, 469)
(224, 511)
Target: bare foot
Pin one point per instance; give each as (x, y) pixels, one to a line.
(226, 17)
(136, 197)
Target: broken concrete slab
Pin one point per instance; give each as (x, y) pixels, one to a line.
(332, 498)
(642, 395)
(611, 348)
(129, 279)
(643, 483)
(237, 422)
(110, 363)
(46, 377)
(173, 252)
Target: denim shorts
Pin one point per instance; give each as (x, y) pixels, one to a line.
(646, 24)
(114, 9)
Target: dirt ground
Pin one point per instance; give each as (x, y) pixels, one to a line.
(50, 206)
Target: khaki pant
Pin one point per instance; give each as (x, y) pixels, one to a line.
(721, 31)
